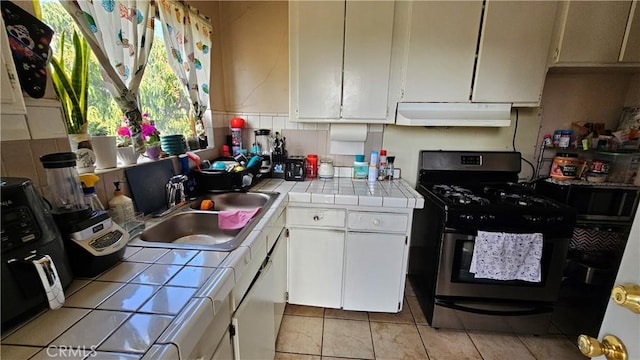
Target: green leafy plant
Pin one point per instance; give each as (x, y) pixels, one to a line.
(72, 84)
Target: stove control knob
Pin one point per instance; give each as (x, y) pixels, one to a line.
(466, 217)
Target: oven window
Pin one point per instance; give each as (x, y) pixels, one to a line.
(462, 262)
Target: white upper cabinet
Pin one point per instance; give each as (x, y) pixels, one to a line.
(340, 54)
(441, 50)
(591, 33)
(11, 92)
(630, 51)
(458, 51)
(512, 56)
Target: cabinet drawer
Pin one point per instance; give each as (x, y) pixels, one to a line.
(315, 217)
(371, 221)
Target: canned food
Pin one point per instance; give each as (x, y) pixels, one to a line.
(599, 167)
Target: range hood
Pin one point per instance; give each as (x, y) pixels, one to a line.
(453, 114)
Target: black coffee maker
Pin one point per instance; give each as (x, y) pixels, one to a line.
(35, 268)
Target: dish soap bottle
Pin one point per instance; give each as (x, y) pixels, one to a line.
(120, 206)
(88, 182)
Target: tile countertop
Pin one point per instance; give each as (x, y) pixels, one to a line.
(346, 191)
(123, 312)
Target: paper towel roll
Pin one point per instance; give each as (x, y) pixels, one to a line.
(348, 132)
(347, 139)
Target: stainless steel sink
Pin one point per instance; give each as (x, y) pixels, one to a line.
(234, 201)
(198, 229)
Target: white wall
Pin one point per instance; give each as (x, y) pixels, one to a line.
(405, 142)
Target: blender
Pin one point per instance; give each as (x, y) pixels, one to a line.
(93, 241)
(264, 145)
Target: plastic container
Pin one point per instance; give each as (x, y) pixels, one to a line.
(390, 167)
(88, 182)
(373, 173)
(120, 206)
(64, 184)
(565, 139)
(326, 169)
(556, 138)
(567, 166)
(374, 159)
(311, 170)
(382, 168)
(236, 141)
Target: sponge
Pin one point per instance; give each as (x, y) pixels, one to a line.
(206, 204)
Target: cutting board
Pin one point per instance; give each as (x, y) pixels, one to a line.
(147, 185)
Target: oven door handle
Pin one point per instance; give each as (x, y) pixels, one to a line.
(534, 311)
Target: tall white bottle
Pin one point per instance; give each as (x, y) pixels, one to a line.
(120, 206)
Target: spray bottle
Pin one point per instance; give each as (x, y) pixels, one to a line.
(88, 182)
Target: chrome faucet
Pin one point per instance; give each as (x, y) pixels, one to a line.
(175, 190)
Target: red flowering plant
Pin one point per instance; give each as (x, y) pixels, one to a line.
(150, 133)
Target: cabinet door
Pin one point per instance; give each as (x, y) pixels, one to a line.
(592, 31)
(254, 320)
(224, 350)
(367, 59)
(10, 92)
(279, 259)
(512, 58)
(317, 37)
(373, 272)
(630, 52)
(443, 36)
(315, 267)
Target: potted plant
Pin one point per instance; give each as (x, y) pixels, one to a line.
(150, 135)
(71, 86)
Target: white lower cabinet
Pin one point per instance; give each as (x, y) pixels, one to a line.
(315, 267)
(279, 259)
(373, 269)
(224, 351)
(257, 319)
(356, 261)
(254, 320)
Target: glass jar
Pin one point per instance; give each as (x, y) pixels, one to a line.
(326, 170)
(312, 166)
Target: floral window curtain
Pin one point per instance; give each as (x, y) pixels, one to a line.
(120, 34)
(188, 38)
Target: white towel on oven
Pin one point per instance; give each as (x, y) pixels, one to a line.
(507, 256)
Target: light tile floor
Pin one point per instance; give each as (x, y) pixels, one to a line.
(312, 333)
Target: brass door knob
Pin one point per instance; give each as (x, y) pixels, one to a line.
(611, 347)
(627, 295)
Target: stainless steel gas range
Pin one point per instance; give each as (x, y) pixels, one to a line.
(475, 209)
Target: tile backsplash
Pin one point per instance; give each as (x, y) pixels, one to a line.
(301, 138)
(20, 158)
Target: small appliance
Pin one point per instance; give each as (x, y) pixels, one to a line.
(278, 156)
(93, 241)
(35, 268)
(263, 146)
(294, 168)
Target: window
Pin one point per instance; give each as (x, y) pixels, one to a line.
(161, 94)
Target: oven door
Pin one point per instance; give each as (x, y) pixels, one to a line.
(455, 279)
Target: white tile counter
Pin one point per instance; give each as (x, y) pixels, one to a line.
(346, 191)
(127, 311)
